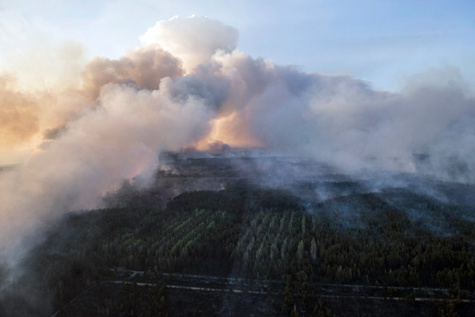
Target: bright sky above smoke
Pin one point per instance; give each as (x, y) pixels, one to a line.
(381, 41)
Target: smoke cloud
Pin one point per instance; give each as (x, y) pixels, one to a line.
(194, 40)
(18, 121)
(190, 86)
(144, 67)
(117, 140)
(27, 115)
(343, 121)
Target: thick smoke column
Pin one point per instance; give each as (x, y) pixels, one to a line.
(117, 140)
(128, 111)
(189, 86)
(342, 121)
(143, 67)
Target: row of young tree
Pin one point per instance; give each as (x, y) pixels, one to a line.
(255, 233)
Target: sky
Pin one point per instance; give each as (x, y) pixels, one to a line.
(380, 41)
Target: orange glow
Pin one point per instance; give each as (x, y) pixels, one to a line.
(230, 131)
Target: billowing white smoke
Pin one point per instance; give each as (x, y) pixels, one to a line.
(194, 40)
(340, 120)
(119, 139)
(145, 102)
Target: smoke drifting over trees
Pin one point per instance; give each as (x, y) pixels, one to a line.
(189, 86)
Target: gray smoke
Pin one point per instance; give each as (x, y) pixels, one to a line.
(189, 85)
(344, 121)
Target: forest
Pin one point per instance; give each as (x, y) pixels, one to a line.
(301, 257)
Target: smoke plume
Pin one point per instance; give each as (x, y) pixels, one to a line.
(144, 67)
(190, 86)
(194, 40)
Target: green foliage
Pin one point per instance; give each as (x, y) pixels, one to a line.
(264, 234)
(250, 232)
